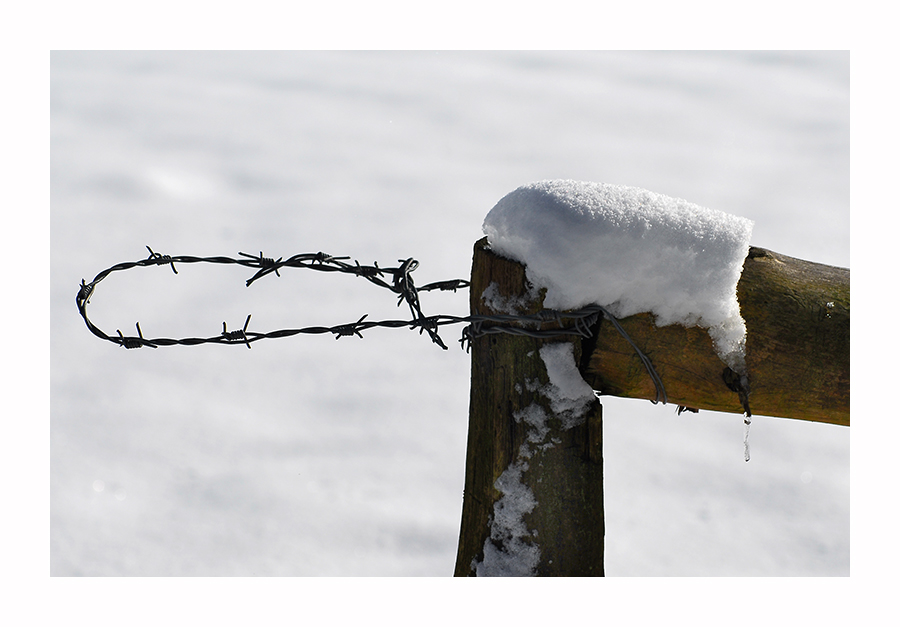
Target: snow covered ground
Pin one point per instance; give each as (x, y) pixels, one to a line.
(310, 456)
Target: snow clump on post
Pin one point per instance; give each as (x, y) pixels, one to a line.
(631, 251)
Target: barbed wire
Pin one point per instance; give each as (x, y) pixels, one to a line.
(396, 279)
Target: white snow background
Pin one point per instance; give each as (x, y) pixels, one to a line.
(310, 456)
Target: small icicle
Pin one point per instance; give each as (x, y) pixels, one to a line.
(747, 439)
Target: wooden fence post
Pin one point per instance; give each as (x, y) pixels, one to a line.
(512, 464)
(533, 500)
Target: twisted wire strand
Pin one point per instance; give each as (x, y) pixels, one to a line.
(400, 283)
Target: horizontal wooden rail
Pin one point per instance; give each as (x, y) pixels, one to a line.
(798, 347)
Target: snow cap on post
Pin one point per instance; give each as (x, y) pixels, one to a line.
(631, 251)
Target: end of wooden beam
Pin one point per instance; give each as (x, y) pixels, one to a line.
(798, 347)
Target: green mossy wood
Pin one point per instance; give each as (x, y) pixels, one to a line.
(798, 362)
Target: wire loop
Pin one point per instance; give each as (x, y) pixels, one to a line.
(584, 320)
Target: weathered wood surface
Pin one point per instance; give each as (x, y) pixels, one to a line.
(566, 477)
(798, 362)
(798, 347)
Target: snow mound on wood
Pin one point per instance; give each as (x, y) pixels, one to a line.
(631, 251)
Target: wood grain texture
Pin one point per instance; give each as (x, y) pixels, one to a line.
(566, 478)
(798, 363)
(798, 347)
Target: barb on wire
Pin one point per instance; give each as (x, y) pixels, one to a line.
(134, 342)
(237, 336)
(267, 265)
(349, 330)
(400, 282)
(162, 259)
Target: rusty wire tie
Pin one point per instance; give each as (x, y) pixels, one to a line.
(401, 284)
